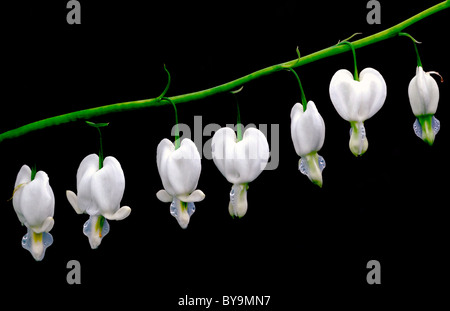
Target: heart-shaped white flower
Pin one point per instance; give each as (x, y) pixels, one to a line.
(240, 162)
(179, 170)
(357, 101)
(99, 194)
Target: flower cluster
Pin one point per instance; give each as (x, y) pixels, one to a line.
(240, 158)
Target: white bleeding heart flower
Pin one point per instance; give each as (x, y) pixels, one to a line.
(308, 136)
(240, 162)
(357, 101)
(423, 95)
(99, 192)
(34, 204)
(179, 170)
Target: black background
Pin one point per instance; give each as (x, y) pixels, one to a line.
(296, 239)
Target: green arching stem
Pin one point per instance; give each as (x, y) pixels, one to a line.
(404, 34)
(302, 93)
(177, 130)
(226, 87)
(355, 74)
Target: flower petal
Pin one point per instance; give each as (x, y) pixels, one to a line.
(107, 187)
(95, 230)
(251, 155)
(223, 145)
(195, 196)
(88, 167)
(164, 196)
(121, 213)
(307, 129)
(164, 150)
(238, 200)
(423, 93)
(358, 143)
(373, 93)
(426, 127)
(341, 92)
(23, 177)
(37, 243)
(36, 201)
(357, 100)
(46, 226)
(182, 212)
(312, 166)
(183, 168)
(243, 161)
(72, 198)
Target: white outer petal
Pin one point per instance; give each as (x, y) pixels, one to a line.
(183, 168)
(243, 161)
(163, 153)
(88, 167)
(195, 196)
(423, 93)
(357, 100)
(164, 196)
(120, 214)
(341, 92)
(374, 92)
(252, 154)
(307, 129)
(35, 201)
(107, 188)
(223, 148)
(23, 177)
(73, 200)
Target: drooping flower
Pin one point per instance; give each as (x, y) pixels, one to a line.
(99, 192)
(308, 136)
(179, 170)
(240, 162)
(423, 95)
(34, 204)
(356, 101)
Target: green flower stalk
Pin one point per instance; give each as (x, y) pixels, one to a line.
(226, 87)
(100, 153)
